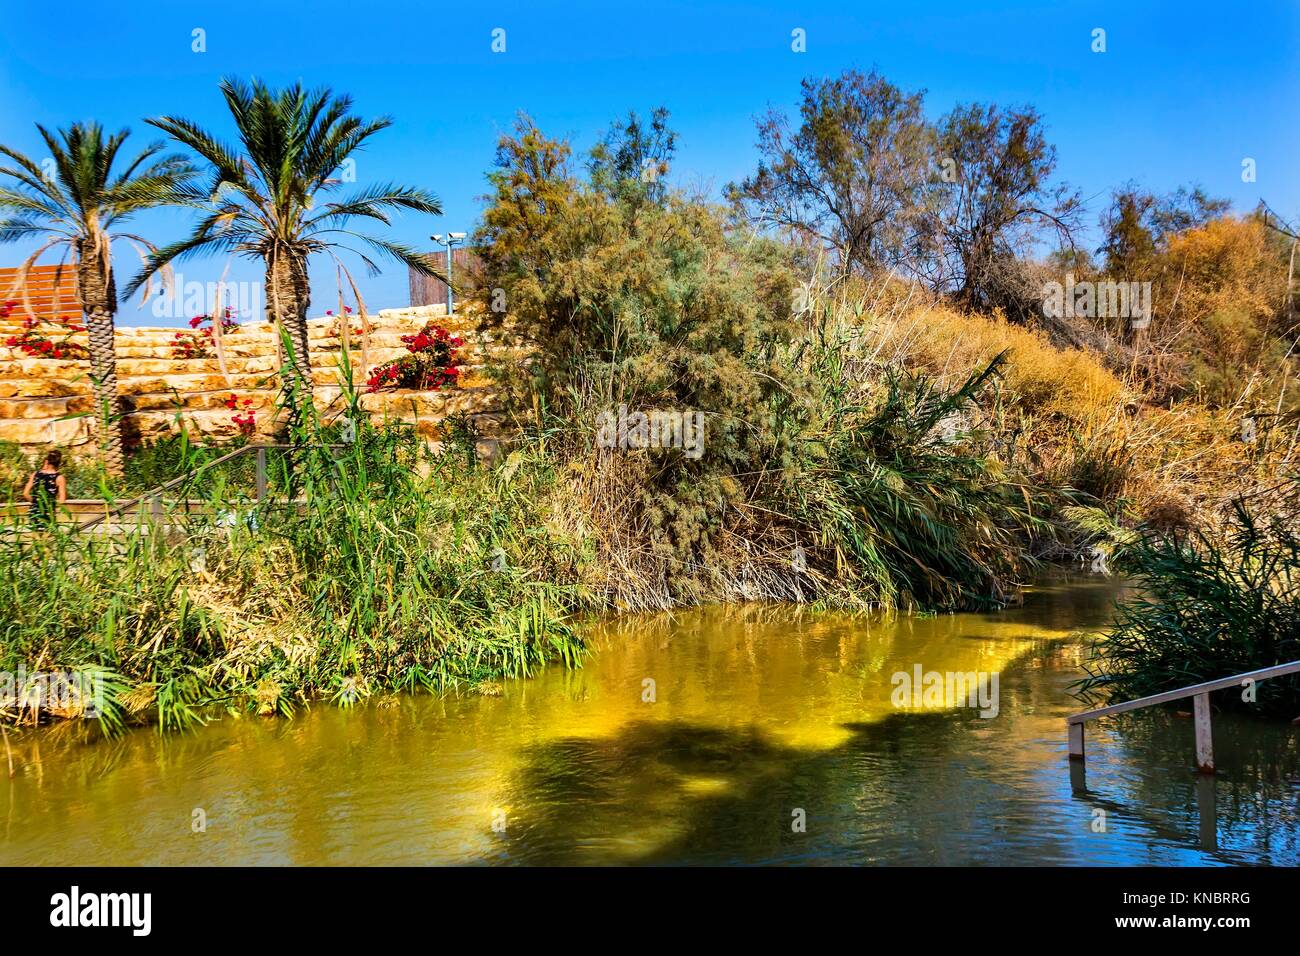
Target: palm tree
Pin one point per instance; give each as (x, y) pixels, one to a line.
(78, 206)
(265, 201)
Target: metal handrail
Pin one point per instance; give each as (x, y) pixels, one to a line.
(1201, 705)
(155, 494)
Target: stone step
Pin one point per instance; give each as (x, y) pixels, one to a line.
(243, 364)
(145, 361)
(407, 404)
(471, 376)
(261, 399)
(151, 430)
(150, 364)
(258, 347)
(470, 332)
(162, 343)
(399, 400)
(140, 367)
(467, 357)
(45, 407)
(158, 388)
(206, 413)
(42, 368)
(198, 382)
(75, 383)
(395, 320)
(137, 349)
(8, 355)
(247, 347)
(211, 423)
(63, 432)
(22, 387)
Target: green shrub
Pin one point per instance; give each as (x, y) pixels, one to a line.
(812, 485)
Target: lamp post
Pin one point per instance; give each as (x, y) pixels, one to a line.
(449, 240)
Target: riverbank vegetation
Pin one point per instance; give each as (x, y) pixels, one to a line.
(1209, 606)
(370, 568)
(841, 386)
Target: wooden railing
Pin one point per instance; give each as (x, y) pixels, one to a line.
(1200, 694)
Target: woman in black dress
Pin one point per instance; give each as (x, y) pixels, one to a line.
(46, 490)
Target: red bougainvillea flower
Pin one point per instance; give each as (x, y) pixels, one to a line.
(432, 362)
(194, 344)
(35, 338)
(246, 423)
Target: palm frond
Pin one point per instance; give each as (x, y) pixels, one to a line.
(84, 196)
(266, 198)
(373, 203)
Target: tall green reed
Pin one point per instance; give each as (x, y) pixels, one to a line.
(1205, 607)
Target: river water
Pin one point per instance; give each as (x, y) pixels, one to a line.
(745, 735)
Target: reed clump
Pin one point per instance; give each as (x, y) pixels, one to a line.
(1209, 606)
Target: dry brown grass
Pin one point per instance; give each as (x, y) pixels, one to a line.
(1065, 416)
(1063, 384)
(601, 499)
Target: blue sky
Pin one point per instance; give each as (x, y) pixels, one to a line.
(1182, 94)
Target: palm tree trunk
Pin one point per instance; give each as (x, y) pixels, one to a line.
(103, 373)
(95, 288)
(288, 296)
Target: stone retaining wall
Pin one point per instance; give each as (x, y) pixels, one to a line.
(47, 403)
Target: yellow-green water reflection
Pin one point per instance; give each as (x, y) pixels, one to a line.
(760, 715)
